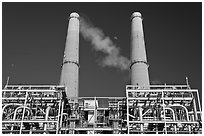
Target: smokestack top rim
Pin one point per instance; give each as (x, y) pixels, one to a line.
(136, 14)
(74, 15)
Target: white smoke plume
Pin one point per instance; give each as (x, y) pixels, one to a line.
(104, 44)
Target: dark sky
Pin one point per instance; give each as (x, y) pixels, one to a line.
(34, 38)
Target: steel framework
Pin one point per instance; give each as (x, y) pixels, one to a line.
(166, 109)
(45, 109)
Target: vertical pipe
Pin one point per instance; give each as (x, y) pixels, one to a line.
(139, 66)
(141, 124)
(58, 116)
(164, 112)
(70, 66)
(199, 103)
(95, 115)
(195, 109)
(61, 117)
(21, 126)
(46, 119)
(127, 103)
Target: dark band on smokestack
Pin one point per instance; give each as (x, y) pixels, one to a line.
(139, 65)
(70, 67)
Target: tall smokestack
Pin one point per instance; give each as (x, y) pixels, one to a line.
(70, 67)
(139, 66)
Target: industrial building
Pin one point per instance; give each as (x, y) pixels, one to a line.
(146, 109)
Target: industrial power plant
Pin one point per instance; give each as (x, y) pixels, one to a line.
(146, 108)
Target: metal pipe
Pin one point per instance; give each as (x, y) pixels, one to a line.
(199, 103)
(127, 107)
(28, 121)
(46, 117)
(164, 112)
(141, 119)
(23, 112)
(14, 117)
(61, 116)
(58, 116)
(10, 104)
(172, 112)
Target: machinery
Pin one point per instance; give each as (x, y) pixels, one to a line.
(166, 109)
(146, 109)
(163, 109)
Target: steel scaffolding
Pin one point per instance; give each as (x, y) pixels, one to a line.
(38, 109)
(31, 109)
(164, 109)
(47, 109)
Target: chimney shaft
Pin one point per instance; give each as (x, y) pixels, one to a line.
(139, 66)
(70, 67)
